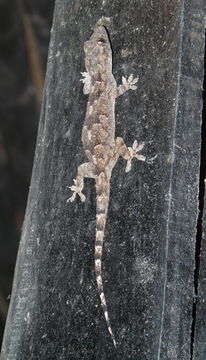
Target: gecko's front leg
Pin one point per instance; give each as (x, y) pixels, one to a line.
(127, 85)
(128, 153)
(86, 81)
(84, 170)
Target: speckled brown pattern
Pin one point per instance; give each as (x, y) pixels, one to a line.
(98, 137)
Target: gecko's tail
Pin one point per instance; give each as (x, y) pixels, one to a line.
(103, 190)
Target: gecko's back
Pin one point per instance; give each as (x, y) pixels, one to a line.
(99, 125)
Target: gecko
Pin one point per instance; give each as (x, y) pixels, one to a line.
(101, 146)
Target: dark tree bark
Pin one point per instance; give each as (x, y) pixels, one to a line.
(149, 249)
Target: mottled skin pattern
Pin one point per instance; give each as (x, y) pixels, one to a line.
(98, 137)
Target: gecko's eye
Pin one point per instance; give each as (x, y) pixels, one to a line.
(101, 42)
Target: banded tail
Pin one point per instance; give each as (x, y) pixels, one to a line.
(103, 190)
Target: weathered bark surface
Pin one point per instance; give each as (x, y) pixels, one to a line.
(150, 235)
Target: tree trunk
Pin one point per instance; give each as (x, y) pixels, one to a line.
(150, 236)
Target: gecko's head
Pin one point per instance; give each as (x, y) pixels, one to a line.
(98, 50)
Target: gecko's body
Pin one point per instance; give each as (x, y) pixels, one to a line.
(98, 137)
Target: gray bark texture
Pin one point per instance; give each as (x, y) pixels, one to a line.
(149, 247)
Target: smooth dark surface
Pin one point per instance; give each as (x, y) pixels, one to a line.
(19, 117)
(150, 235)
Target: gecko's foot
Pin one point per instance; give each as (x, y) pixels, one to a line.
(86, 81)
(134, 150)
(76, 190)
(130, 83)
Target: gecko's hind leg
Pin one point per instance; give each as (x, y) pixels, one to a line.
(128, 153)
(84, 170)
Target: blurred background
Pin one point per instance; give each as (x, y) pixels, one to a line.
(24, 38)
